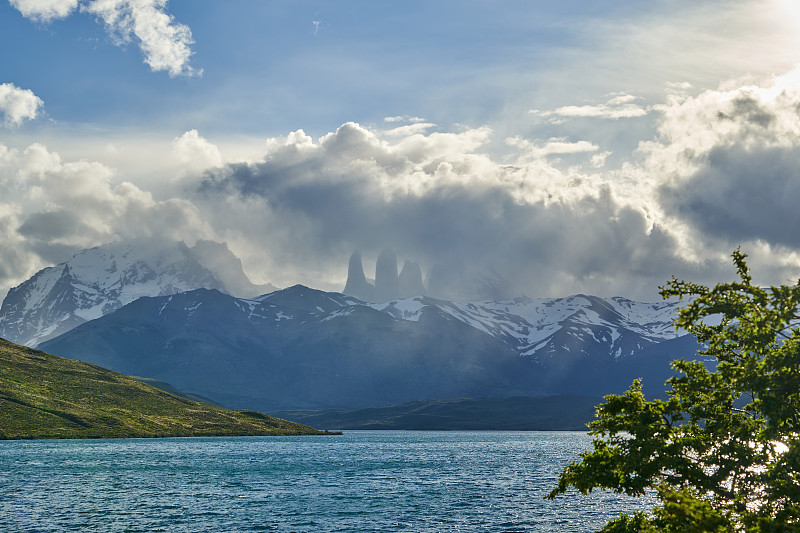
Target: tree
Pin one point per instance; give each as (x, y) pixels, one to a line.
(722, 450)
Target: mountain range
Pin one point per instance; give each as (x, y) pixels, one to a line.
(300, 348)
(169, 315)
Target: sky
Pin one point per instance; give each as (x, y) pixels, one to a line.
(581, 146)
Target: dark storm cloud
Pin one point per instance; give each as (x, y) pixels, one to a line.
(52, 225)
(742, 194)
(748, 109)
(47, 232)
(336, 198)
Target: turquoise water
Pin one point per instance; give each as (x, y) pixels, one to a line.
(360, 481)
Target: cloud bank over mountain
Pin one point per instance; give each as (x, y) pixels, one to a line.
(601, 161)
(722, 171)
(436, 198)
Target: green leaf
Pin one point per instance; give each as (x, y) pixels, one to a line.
(722, 452)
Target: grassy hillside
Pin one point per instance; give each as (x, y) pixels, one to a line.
(166, 387)
(44, 396)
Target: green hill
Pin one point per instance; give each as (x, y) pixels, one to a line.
(44, 396)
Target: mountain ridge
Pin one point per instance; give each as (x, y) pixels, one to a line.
(300, 348)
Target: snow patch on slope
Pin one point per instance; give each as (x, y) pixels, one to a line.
(95, 282)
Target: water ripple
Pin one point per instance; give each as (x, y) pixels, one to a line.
(360, 481)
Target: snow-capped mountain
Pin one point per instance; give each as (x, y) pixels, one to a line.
(550, 327)
(302, 348)
(97, 281)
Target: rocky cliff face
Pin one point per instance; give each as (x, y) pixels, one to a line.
(410, 281)
(357, 285)
(389, 285)
(386, 280)
(454, 283)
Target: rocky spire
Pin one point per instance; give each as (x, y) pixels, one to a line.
(410, 280)
(357, 284)
(386, 280)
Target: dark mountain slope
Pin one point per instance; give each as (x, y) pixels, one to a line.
(301, 348)
(296, 351)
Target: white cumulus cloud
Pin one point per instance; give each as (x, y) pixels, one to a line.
(50, 208)
(166, 44)
(45, 10)
(18, 105)
(194, 152)
(403, 118)
(622, 106)
(553, 146)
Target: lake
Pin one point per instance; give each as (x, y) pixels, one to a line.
(360, 481)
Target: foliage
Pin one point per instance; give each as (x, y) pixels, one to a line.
(44, 396)
(722, 450)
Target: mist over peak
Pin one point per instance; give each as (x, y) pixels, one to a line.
(461, 283)
(410, 280)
